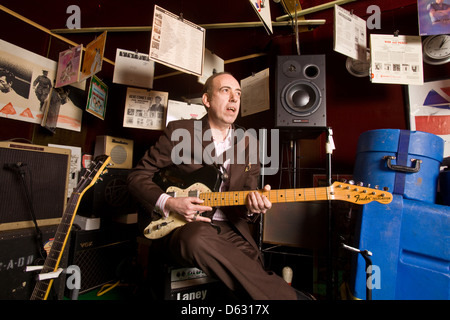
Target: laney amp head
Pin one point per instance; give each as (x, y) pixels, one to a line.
(120, 150)
(192, 284)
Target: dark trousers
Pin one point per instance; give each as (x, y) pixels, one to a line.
(226, 256)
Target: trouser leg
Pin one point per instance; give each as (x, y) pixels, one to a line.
(228, 257)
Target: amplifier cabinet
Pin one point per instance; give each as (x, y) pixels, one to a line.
(38, 172)
(18, 249)
(100, 254)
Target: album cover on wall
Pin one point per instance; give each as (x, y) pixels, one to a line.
(93, 57)
(98, 94)
(133, 68)
(145, 109)
(434, 17)
(69, 64)
(27, 80)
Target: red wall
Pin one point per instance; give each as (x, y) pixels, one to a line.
(354, 105)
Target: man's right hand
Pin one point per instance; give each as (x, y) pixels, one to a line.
(190, 208)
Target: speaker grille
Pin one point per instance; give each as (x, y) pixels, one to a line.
(45, 175)
(300, 88)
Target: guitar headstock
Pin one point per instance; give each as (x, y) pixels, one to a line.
(358, 194)
(92, 174)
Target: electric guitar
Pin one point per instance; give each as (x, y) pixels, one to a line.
(337, 191)
(51, 264)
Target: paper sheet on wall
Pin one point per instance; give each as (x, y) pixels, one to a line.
(177, 110)
(177, 43)
(133, 68)
(75, 166)
(255, 93)
(262, 9)
(396, 59)
(212, 64)
(349, 34)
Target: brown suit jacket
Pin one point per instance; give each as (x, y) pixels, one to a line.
(244, 175)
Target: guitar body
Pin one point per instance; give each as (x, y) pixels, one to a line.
(159, 228)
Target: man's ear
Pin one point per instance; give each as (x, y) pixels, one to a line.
(205, 100)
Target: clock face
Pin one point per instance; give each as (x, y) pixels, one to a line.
(357, 68)
(436, 49)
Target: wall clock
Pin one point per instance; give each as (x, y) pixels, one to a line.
(436, 49)
(357, 68)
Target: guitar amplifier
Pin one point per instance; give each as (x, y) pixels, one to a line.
(38, 172)
(120, 150)
(191, 284)
(101, 254)
(18, 250)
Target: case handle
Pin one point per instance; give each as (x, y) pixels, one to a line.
(395, 167)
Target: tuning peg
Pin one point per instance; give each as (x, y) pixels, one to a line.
(376, 187)
(386, 188)
(361, 184)
(351, 182)
(343, 180)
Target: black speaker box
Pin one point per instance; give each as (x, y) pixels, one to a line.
(108, 197)
(18, 249)
(102, 254)
(300, 91)
(38, 172)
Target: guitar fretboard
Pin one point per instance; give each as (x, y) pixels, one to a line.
(51, 264)
(235, 198)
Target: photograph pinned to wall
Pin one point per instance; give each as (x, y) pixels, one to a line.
(51, 111)
(73, 102)
(69, 64)
(434, 17)
(98, 94)
(93, 57)
(177, 42)
(145, 109)
(255, 93)
(429, 109)
(178, 110)
(212, 64)
(26, 80)
(133, 68)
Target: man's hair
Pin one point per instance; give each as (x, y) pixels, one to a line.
(208, 84)
(8, 74)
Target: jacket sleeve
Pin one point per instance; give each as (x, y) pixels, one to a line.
(140, 179)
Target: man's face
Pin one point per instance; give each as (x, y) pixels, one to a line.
(224, 100)
(4, 85)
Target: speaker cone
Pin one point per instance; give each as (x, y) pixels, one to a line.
(301, 98)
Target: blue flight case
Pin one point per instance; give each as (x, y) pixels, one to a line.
(410, 245)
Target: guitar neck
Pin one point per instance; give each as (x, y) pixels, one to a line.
(42, 288)
(236, 198)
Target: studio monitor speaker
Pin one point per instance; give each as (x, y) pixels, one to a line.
(120, 150)
(300, 91)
